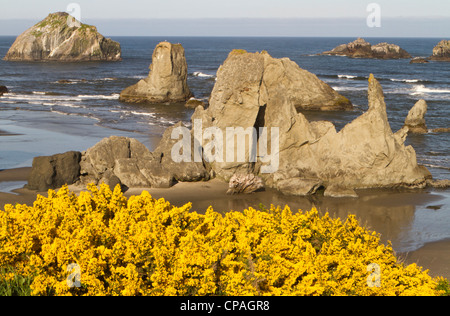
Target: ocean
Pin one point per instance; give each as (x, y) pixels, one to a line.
(80, 101)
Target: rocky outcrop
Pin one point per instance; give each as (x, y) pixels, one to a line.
(167, 80)
(244, 76)
(415, 121)
(442, 51)
(245, 184)
(54, 39)
(3, 89)
(441, 130)
(362, 49)
(54, 171)
(419, 60)
(130, 162)
(313, 156)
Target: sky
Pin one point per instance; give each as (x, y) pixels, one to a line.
(414, 18)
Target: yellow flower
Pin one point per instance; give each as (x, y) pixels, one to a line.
(143, 246)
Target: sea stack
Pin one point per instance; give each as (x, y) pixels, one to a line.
(167, 80)
(442, 51)
(415, 120)
(362, 49)
(61, 38)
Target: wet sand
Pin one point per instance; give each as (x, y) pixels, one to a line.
(405, 218)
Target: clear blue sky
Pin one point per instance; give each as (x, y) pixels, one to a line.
(96, 11)
(114, 9)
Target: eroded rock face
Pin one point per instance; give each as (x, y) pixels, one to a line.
(3, 90)
(362, 49)
(415, 121)
(128, 162)
(312, 155)
(442, 51)
(54, 39)
(167, 80)
(245, 184)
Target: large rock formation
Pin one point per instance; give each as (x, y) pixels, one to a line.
(442, 51)
(167, 80)
(415, 121)
(255, 91)
(362, 49)
(55, 39)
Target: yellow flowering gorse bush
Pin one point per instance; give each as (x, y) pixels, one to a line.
(143, 246)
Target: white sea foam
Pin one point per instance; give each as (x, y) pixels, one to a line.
(99, 96)
(142, 113)
(421, 89)
(336, 88)
(406, 80)
(202, 75)
(347, 77)
(108, 79)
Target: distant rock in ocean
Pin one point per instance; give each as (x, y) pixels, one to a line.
(362, 49)
(419, 60)
(442, 51)
(55, 39)
(3, 89)
(167, 80)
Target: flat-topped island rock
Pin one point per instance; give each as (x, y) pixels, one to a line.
(362, 49)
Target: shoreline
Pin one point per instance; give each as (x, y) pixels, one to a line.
(383, 211)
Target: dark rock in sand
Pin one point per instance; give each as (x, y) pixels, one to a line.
(53, 172)
(55, 39)
(362, 49)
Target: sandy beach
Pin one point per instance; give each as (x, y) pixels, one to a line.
(390, 213)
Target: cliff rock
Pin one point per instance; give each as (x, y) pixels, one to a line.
(54, 39)
(167, 80)
(442, 51)
(362, 49)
